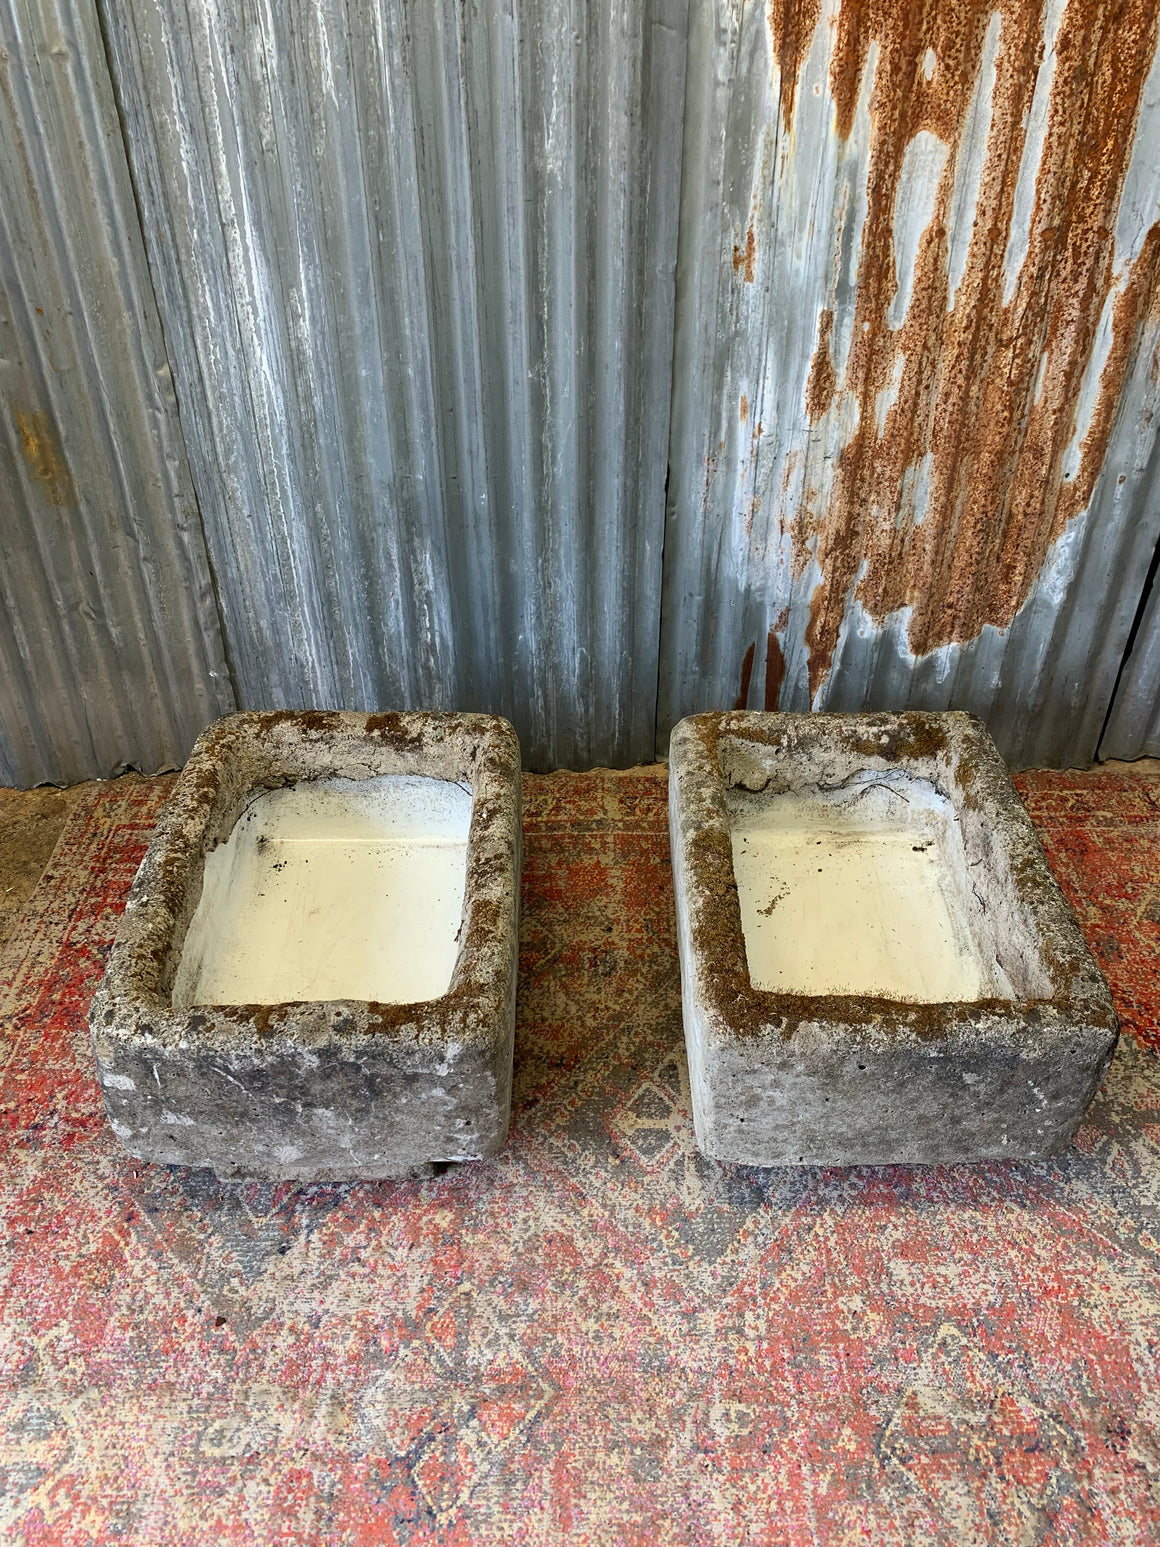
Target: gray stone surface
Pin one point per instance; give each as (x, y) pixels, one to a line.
(316, 1091)
(780, 1079)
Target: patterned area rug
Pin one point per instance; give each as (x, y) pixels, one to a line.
(597, 1337)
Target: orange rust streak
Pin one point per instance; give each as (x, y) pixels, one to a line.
(967, 391)
(791, 27)
(822, 381)
(745, 258)
(774, 670)
(813, 636)
(44, 456)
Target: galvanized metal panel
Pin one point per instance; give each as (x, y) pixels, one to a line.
(110, 651)
(914, 385)
(415, 263)
(1134, 725)
(1133, 728)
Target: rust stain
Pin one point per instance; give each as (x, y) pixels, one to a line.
(774, 670)
(822, 383)
(744, 258)
(813, 633)
(970, 395)
(791, 29)
(1138, 298)
(746, 678)
(744, 407)
(43, 454)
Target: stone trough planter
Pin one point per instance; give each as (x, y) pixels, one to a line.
(315, 975)
(876, 963)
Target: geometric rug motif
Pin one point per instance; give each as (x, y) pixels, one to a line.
(598, 1336)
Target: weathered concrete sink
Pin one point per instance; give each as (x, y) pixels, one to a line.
(314, 978)
(876, 962)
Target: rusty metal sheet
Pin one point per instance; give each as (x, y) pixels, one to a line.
(110, 649)
(914, 380)
(415, 265)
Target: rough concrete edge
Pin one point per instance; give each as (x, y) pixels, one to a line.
(122, 1013)
(696, 782)
(695, 1033)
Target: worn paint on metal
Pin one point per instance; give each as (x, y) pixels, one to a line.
(942, 229)
(110, 649)
(988, 389)
(415, 264)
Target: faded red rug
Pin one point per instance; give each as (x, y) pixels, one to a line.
(597, 1337)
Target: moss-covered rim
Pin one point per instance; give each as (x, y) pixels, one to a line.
(135, 995)
(961, 745)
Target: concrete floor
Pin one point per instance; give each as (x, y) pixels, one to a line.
(31, 821)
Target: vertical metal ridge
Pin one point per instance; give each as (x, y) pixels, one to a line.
(1133, 724)
(417, 281)
(110, 651)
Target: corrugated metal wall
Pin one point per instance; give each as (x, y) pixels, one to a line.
(415, 263)
(110, 650)
(1133, 728)
(913, 419)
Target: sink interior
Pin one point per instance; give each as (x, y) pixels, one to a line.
(863, 888)
(333, 889)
